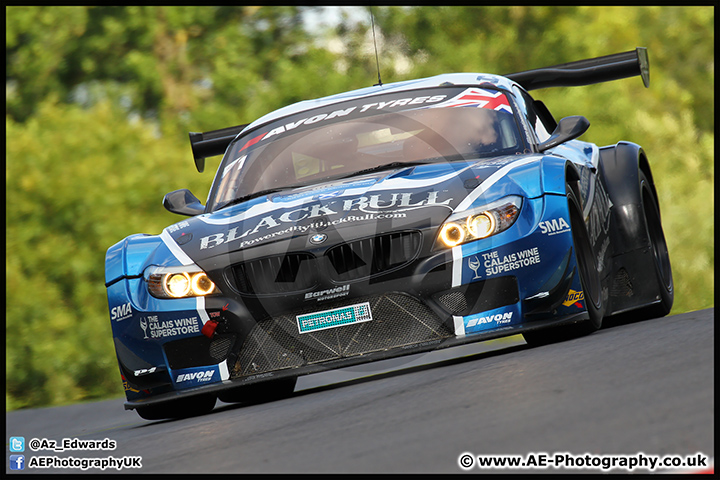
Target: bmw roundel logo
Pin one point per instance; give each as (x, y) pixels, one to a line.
(318, 238)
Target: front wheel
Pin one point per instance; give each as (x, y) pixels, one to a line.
(587, 268)
(589, 279)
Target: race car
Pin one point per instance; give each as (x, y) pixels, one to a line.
(382, 222)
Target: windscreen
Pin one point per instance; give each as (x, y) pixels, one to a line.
(352, 138)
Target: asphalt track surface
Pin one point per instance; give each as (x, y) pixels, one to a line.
(633, 387)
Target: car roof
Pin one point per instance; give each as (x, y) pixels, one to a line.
(446, 79)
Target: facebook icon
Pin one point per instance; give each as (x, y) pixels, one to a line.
(17, 462)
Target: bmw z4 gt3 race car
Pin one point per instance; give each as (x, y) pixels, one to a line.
(381, 222)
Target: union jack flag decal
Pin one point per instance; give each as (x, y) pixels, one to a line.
(478, 98)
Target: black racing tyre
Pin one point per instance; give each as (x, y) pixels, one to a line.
(662, 270)
(589, 279)
(181, 408)
(586, 265)
(259, 392)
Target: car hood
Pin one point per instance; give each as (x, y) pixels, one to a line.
(411, 197)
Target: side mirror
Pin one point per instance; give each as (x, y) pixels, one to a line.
(183, 202)
(569, 128)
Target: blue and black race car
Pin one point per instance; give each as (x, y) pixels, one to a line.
(381, 222)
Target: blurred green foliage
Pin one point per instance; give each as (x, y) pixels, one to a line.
(99, 101)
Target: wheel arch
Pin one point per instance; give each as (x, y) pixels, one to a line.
(572, 179)
(619, 167)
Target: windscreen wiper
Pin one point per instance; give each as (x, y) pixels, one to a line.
(259, 193)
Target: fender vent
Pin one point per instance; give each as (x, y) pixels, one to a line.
(622, 286)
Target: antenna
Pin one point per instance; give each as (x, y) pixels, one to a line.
(377, 61)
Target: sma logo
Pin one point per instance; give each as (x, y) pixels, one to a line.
(121, 312)
(554, 226)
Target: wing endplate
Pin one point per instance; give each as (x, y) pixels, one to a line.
(209, 144)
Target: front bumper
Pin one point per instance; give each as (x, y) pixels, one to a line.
(514, 282)
(376, 356)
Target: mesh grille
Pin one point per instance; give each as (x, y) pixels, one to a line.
(371, 256)
(622, 286)
(479, 296)
(398, 320)
(220, 347)
(198, 351)
(454, 302)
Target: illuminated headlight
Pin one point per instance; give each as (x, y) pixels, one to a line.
(477, 223)
(179, 282)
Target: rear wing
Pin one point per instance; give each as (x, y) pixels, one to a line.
(214, 142)
(587, 72)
